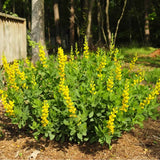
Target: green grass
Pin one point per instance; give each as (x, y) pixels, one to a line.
(152, 76)
(144, 62)
(139, 50)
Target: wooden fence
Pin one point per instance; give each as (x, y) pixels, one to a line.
(13, 42)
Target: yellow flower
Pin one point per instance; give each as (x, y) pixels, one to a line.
(132, 64)
(101, 66)
(98, 52)
(62, 87)
(45, 111)
(118, 70)
(86, 48)
(110, 83)
(92, 90)
(151, 96)
(110, 123)
(76, 49)
(71, 54)
(140, 77)
(8, 106)
(125, 97)
(42, 56)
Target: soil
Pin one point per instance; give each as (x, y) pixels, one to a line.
(155, 53)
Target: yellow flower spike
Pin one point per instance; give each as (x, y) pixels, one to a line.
(125, 95)
(101, 66)
(110, 83)
(62, 87)
(71, 54)
(110, 123)
(45, 111)
(86, 48)
(9, 107)
(151, 96)
(92, 88)
(42, 56)
(140, 77)
(132, 64)
(76, 49)
(118, 70)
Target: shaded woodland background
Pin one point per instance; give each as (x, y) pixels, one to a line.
(68, 21)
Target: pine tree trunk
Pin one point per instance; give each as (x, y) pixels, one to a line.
(88, 33)
(56, 20)
(72, 22)
(99, 20)
(37, 26)
(146, 26)
(107, 23)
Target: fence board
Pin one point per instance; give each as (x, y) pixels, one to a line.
(13, 42)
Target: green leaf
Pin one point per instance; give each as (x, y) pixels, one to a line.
(65, 122)
(51, 136)
(91, 114)
(79, 135)
(108, 139)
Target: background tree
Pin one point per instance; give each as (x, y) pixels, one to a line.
(37, 26)
(88, 31)
(56, 21)
(146, 25)
(126, 21)
(72, 22)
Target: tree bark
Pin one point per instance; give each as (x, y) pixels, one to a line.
(107, 23)
(13, 7)
(56, 20)
(72, 22)
(146, 26)
(88, 32)
(37, 27)
(0, 6)
(99, 20)
(119, 20)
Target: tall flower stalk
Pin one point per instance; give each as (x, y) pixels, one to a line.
(125, 96)
(45, 111)
(110, 123)
(101, 66)
(110, 83)
(151, 96)
(86, 48)
(62, 87)
(42, 56)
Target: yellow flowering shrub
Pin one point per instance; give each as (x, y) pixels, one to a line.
(92, 99)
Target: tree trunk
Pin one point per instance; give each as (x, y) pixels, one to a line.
(72, 22)
(13, 7)
(119, 20)
(99, 20)
(56, 20)
(37, 27)
(107, 23)
(88, 33)
(146, 26)
(0, 6)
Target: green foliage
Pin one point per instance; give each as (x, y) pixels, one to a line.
(152, 76)
(101, 114)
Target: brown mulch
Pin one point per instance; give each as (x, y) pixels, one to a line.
(140, 143)
(155, 53)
